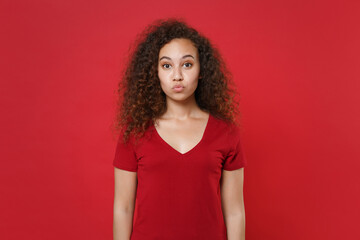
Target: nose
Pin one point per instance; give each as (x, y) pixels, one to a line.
(177, 74)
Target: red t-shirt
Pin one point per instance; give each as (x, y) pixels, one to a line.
(178, 195)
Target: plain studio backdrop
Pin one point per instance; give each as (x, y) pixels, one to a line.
(296, 66)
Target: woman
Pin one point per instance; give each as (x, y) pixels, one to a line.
(179, 160)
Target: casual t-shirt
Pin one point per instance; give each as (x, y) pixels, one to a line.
(178, 195)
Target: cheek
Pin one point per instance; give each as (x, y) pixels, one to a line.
(194, 84)
(163, 80)
(193, 77)
(161, 76)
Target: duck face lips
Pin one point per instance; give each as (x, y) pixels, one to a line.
(178, 88)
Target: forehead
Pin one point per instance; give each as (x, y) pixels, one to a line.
(178, 47)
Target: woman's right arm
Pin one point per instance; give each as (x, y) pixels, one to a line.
(124, 203)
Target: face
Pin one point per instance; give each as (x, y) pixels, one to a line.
(179, 68)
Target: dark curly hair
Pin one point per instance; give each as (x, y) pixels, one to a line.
(140, 97)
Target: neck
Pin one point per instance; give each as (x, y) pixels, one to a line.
(182, 109)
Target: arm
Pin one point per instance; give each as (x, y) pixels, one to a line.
(232, 200)
(124, 203)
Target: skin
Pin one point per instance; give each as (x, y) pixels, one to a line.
(183, 124)
(182, 127)
(232, 199)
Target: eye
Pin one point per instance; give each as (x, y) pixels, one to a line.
(188, 64)
(166, 65)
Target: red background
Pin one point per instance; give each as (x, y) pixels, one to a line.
(296, 64)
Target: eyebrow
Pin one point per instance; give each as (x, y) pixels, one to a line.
(185, 56)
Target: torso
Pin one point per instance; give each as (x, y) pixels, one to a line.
(178, 195)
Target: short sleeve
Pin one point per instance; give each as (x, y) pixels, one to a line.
(125, 157)
(235, 158)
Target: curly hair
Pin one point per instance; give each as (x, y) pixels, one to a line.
(140, 97)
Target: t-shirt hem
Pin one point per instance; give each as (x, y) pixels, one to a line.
(124, 167)
(235, 168)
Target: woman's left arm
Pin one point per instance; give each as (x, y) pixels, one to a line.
(232, 199)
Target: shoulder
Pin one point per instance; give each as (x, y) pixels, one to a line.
(226, 133)
(134, 140)
(226, 127)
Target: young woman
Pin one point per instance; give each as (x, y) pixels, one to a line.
(179, 160)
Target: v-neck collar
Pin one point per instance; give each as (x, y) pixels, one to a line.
(192, 149)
